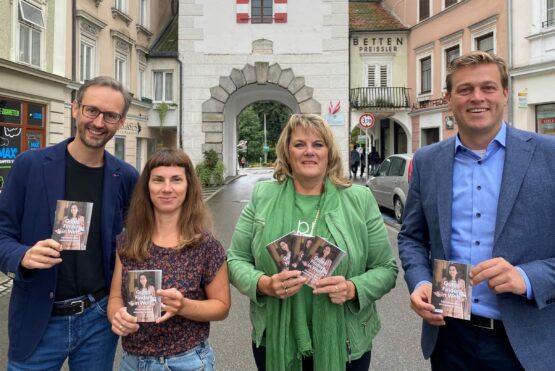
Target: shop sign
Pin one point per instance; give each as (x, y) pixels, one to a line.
(522, 99)
(377, 44)
(10, 112)
(10, 145)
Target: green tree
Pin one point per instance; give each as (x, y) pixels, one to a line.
(277, 116)
(250, 129)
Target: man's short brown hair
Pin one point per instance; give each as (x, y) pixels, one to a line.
(473, 59)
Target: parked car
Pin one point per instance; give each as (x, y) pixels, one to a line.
(390, 183)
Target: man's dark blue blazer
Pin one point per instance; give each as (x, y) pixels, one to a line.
(524, 235)
(27, 206)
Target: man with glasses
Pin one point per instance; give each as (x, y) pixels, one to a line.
(59, 298)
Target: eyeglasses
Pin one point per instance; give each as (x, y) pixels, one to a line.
(92, 112)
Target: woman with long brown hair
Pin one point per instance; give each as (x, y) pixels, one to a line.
(168, 228)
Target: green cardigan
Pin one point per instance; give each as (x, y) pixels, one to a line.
(352, 219)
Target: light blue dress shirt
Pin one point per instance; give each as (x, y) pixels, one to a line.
(476, 186)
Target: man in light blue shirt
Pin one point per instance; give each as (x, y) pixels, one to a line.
(481, 198)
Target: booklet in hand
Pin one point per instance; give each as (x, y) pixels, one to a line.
(72, 220)
(140, 294)
(451, 289)
(315, 257)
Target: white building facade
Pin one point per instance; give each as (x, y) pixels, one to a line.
(236, 53)
(533, 66)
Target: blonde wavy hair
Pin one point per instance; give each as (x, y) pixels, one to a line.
(315, 123)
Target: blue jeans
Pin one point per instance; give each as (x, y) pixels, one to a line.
(198, 358)
(86, 339)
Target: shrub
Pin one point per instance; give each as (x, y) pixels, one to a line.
(211, 170)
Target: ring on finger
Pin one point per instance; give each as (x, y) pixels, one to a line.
(283, 285)
(286, 293)
(336, 288)
(121, 327)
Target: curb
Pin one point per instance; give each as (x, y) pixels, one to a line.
(3, 278)
(393, 225)
(208, 193)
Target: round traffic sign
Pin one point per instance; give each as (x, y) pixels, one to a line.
(366, 120)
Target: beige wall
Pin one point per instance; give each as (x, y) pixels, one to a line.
(123, 30)
(359, 58)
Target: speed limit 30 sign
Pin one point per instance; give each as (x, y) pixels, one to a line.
(366, 121)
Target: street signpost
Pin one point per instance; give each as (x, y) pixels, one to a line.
(366, 121)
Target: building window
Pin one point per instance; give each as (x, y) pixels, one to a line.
(31, 24)
(143, 13)
(120, 5)
(545, 119)
(449, 3)
(142, 82)
(378, 75)
(423, 9)
(426, 75)
(485, 43)
(119, 147)
(261, 11)
(87, 60)
(450, 54)
(121, 65)
(550, 20)
(163, 86)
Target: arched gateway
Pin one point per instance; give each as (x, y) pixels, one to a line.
(240, 89)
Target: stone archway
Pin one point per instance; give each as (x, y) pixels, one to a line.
(260, 74)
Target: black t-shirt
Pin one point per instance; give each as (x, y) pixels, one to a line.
(82, 272)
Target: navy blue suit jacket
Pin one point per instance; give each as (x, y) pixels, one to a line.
(524, 235)
(27, 206)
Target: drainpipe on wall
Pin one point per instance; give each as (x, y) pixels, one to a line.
(72, 128)
(349, 107)
(180, 121)
(510, 105)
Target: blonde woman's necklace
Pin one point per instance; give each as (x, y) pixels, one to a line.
(308, 229)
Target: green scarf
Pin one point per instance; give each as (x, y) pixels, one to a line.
(288, 338)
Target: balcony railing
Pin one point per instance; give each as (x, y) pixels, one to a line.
(380, 98)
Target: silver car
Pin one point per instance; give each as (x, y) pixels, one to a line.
(390, 183)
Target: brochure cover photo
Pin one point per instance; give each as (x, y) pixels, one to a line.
(451, 289)
(72, 220)
(140, 294)
(320, 259)
(281, 250)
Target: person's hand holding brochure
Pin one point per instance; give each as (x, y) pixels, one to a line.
(315, 257)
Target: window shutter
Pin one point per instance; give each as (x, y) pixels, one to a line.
(280, 11)
(383, 75)
(371, 76)
(242, 11)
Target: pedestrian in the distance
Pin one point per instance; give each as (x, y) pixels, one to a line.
(355, 161)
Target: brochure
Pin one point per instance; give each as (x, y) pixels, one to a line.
(72, 220)
(140, 294)
(452, 289)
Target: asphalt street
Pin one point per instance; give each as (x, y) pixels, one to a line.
(396, 348)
